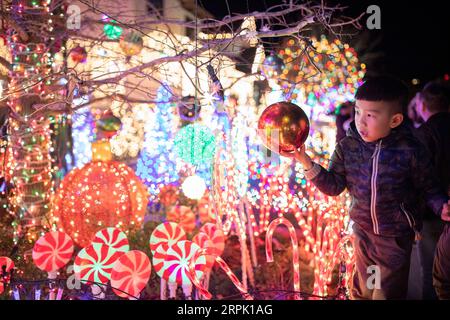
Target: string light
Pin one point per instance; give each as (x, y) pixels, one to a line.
(157, 164)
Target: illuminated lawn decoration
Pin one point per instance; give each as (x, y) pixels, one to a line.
(195, 144)
(99, 195)
(157, 163)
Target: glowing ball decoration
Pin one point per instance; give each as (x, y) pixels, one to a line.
(78, 54)
(107, 125)
(131, 43)
(97, 196)
(195, 144)
(272, 66)
(194, 187)
(112, 31)
(283, 126)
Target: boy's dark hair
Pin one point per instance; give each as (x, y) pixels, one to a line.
(384, 88)
(434, 97)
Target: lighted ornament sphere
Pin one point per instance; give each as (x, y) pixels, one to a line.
(78, 54)
(283, 126)
(131, 43)
(97, 196)
(189, 110)
(194, 187)
(272, 66)
(195, 144)
(107, 125)
(112, 31)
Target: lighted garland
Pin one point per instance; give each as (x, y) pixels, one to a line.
(33, 83)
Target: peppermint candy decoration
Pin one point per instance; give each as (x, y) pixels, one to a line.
(216, 236)
(130, 274)
(203, 241)
(114, 238)
(52, 251)
(158, 259)
(177, 261)
(95, 262)
(168, 233)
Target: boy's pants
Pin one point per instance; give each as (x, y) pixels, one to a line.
(382, 266)
(441, 267)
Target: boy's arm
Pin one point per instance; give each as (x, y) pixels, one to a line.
(332, 181)
(424, 179)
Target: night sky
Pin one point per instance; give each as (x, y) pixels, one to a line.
(414, 38)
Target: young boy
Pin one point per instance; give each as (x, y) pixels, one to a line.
(380, 163)
(432, 106)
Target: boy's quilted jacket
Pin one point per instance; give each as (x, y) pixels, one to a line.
(382, 178)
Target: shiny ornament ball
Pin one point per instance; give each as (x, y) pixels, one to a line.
(78, 54)
(272, 66)
(189, 110)
(283, 126)
(131, 43)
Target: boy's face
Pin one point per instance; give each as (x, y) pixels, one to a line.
(375, 119)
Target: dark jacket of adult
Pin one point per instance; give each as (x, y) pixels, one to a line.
(435, 134)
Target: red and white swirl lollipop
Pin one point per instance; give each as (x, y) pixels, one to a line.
(177, 261)
(168, 233)
(95, 263)
(9, 264)
(113, 237)
(52, 251)
(158, 259)
(130, 274)
(203, 241)
(216, 235)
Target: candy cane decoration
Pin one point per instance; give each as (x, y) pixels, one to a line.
(295, 258)
(223, 265)
(324, 263)
(349, 260)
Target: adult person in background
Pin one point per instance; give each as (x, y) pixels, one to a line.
(415, 118)
(432, 105)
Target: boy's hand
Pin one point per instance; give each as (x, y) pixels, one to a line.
(446, 211)
(299, 155)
